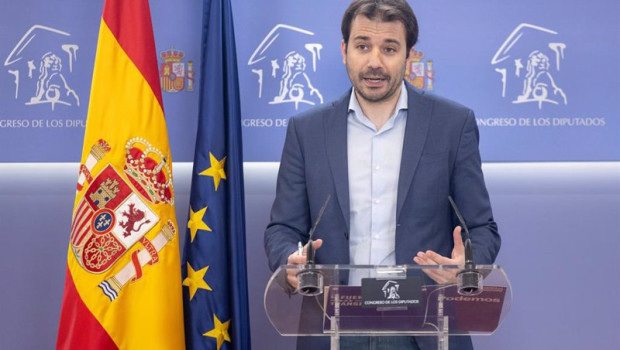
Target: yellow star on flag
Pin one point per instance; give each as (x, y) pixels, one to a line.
(216, 170)
(219, 331)
(196, 222)
(195, 280)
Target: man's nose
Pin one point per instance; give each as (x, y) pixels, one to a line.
(375, 59)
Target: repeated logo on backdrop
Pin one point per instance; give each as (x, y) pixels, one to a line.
(529, 64)
(419, 72)
(41, 64)
(534, 82)
(174, 74)
(284, 63)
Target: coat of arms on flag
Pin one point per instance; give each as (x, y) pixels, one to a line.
(114, 213)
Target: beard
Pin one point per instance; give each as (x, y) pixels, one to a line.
(378, 94)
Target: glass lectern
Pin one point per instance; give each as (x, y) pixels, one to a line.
(347, 300)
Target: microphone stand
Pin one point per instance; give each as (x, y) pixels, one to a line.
(310, 279)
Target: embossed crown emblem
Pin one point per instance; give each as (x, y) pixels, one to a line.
(148, 170)
(417, 56)
(172, 55)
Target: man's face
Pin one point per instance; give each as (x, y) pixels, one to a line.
(375, 58)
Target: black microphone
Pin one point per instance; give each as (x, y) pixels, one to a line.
(469, 280)
(310, 253)
(311, 280)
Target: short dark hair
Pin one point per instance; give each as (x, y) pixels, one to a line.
(386, 11)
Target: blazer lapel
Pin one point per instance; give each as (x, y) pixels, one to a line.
(416, 131)
(335, 124)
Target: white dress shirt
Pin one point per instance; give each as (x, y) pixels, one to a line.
(374, 165)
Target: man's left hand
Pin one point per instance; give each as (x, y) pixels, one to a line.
(432, 258)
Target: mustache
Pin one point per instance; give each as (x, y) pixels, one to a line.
(374, 73)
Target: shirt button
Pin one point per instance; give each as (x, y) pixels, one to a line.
(377, 167)
(376, 201)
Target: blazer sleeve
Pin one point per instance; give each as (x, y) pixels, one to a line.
(290, 217)
(471, 195)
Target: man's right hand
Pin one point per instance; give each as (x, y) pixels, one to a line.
(296, 259)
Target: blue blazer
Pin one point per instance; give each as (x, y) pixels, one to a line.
(440, 157)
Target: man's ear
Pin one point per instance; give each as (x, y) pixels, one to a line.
(410, 53)
(343, 50)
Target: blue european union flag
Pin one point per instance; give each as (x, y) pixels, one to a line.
(214, 266)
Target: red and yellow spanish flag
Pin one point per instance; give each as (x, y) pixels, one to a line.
(123, 281)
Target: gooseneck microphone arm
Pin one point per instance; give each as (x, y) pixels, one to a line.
(469, 258)
(310, 251)
(469, 280)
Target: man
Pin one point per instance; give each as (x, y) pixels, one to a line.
(389, 156)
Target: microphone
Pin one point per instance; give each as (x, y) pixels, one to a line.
(311, 280)
(469, 280)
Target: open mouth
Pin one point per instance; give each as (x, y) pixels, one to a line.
(375, 80)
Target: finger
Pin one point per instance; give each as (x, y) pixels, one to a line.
(458, 252)
(442, 276)
(438, 276)
(458, 239)
(419, 260)
(438, 259)
(422, 259)
(296, 259)
(430, 273)
(292, 280)
(317, 244)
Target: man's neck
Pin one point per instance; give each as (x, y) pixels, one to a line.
(379, 112)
